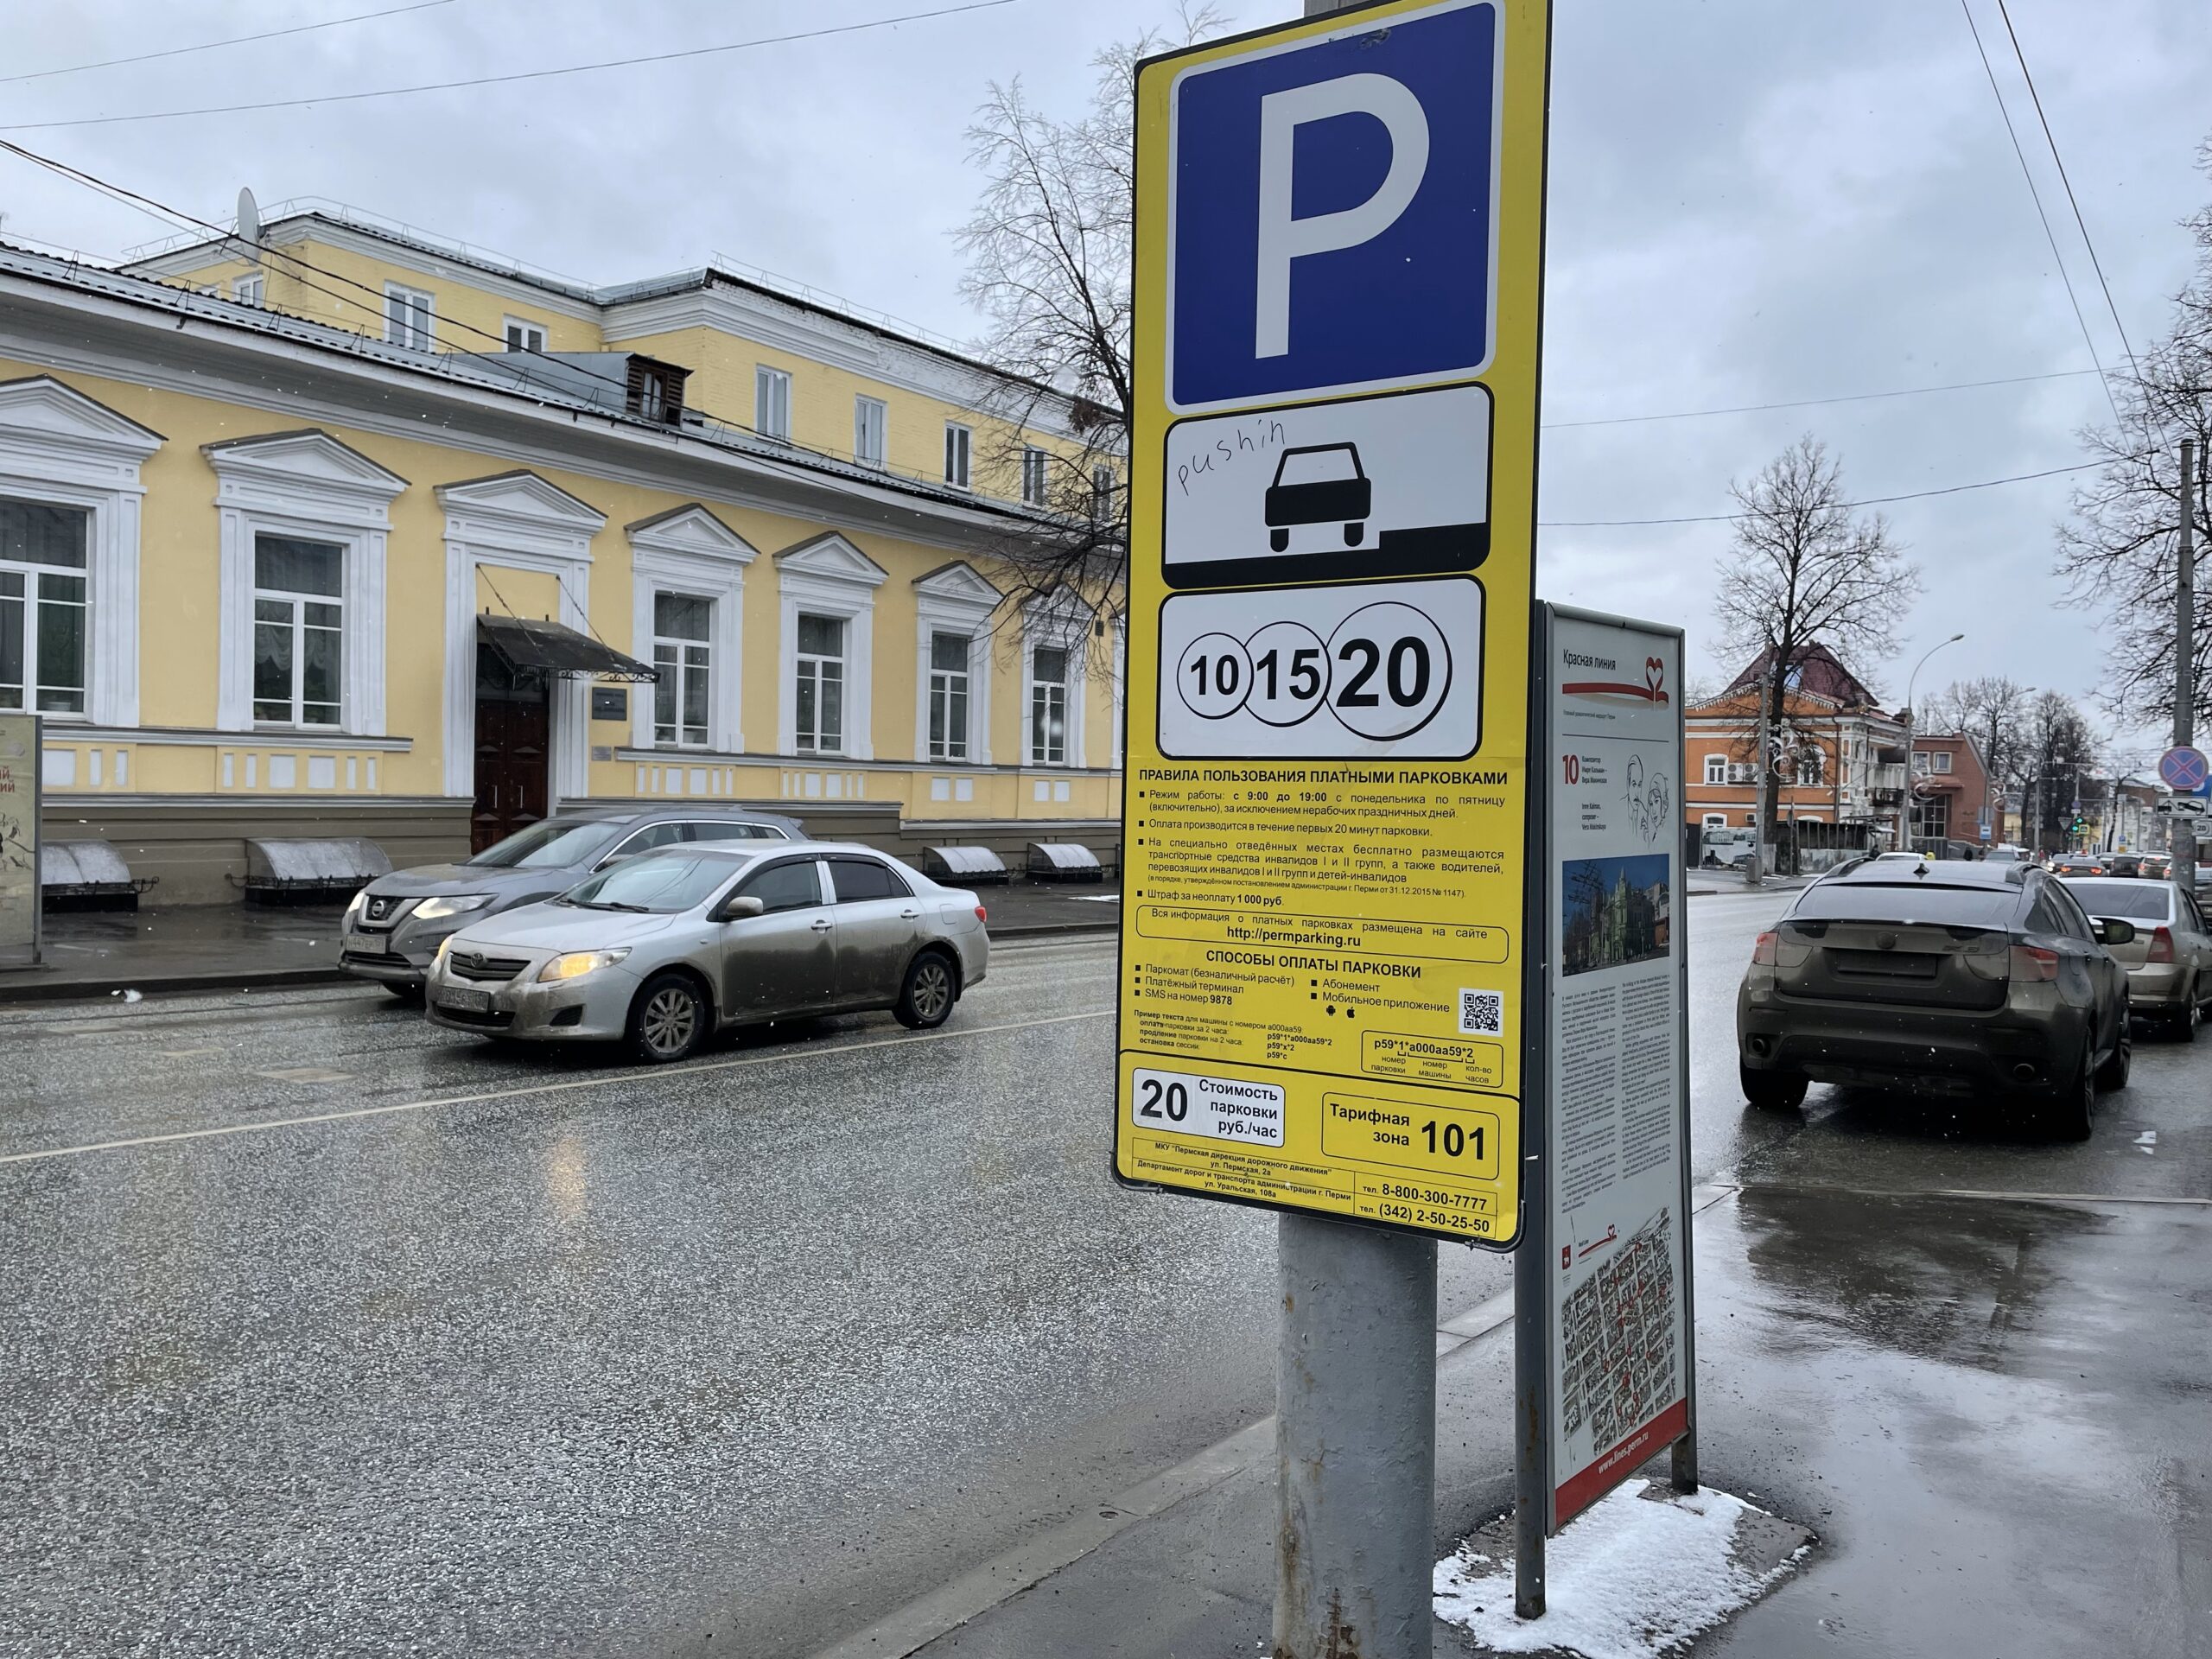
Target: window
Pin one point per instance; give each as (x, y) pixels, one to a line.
(42, 618)
(784, 886)
(1940, 761)
(1102, 494)
(524, 336)
(1716, 820)
(1034, 485)
(248, 290)
(683, 625)
(772, 403)
(948, 698)
(652, 836)
(958, 439)
(1812, 766)
(1716, 768)
(298, 639)
(407, 317)
(1919, 759)
(730, 829)
(1048, 706)
(821, 701)
(869, 421)
(856, 880)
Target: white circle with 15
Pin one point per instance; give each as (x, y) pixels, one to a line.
(1214, 676)
(1390, 665)
(1290, 672)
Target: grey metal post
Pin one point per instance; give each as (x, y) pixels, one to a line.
(1355, 1429)
(2183, 833)
(1532, 1289)
(1755, 872)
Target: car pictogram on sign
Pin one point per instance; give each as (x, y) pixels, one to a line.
(1318, 484)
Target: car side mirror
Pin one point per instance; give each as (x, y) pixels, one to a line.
(2110, 930)
(738, 909)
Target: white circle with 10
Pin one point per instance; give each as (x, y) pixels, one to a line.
(1382, 673)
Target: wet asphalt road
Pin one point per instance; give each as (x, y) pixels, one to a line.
(334, 1332)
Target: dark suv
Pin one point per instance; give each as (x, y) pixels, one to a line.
(1941, 977)
(396, 923)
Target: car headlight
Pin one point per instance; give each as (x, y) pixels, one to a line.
(354, 909)
(577, 963)
(444, 945)
(453, 905)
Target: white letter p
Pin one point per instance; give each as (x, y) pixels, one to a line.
(1283, 239)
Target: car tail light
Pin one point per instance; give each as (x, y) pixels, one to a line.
(980, 915)
(2162, 945)
(2033, 961)
(1762, 951)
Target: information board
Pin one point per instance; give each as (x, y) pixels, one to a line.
(1338, 264)
(19, 802)
(1615, 1155)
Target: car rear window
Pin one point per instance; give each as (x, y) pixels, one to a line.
(2135, 901)
(1916, 901)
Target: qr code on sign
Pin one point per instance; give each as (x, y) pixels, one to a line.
(1482, 1013)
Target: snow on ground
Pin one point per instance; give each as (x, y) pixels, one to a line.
(1631, 1578)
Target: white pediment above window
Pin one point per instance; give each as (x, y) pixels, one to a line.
(51, 430)
(521, 512)
(959, 584)
(691, 530)
(832, 558)
(1057, 618)
(309, 473)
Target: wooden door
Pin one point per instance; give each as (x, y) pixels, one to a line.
(513, 724)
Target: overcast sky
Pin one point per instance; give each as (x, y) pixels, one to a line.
(1752, 201)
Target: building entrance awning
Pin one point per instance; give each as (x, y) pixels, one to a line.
(535, 646)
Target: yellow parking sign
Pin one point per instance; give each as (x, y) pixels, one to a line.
(1339, 238)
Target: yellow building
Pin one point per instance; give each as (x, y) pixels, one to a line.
(350, 534)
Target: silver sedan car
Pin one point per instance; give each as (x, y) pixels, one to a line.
(661, 950)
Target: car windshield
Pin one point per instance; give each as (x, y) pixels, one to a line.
(658, 883)
(550, 844)
(2137, 901)
(1902, 902)
(1317, 467)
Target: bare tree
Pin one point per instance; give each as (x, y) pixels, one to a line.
(2119, 545)
(2059, 750)
(1805, 571)
(1992, 710)
(1049, 264)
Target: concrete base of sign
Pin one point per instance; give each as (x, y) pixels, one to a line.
(1637, 1575)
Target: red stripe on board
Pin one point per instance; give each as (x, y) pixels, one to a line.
(1580, 1491)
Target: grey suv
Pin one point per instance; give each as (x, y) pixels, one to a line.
(396, 923)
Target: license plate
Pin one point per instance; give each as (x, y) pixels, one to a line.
(366, 945)
(465, 1002)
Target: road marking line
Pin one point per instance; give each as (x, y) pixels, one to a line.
(627, 1074)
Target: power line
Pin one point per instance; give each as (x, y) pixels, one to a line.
(520, 75)
(2095, 263)
(234, 40)
(1868, 501)
(2057, 259)
(1809, 403)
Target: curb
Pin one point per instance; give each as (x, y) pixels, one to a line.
(1047, 929)
(78, 990)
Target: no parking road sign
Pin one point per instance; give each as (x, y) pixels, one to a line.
(2184, 770)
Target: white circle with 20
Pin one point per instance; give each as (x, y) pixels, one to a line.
(1390, 665)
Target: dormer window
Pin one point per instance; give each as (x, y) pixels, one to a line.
(656, 391)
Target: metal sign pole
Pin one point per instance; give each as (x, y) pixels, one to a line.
(1532, 1301)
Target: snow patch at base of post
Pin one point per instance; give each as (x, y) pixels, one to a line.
(1635, 1577)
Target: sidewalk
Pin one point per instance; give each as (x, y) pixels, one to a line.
(235, 947)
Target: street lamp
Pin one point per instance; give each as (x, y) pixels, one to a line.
(1912, 731)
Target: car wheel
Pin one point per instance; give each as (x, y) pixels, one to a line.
(1279, 540)
(2073, 1113)
(2112, 1074)
(669, 1020)
(925, 1000)
(2191, 1015)
(1772, 1091)
(1352, 533)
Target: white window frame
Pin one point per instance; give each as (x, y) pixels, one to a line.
(250, 289)
(771, 402)
(1063, 622)
(533, 333)
(801, 661)
(861, 404)
(1716, 771)
(827, 576)
(295, 721)
(1104, 481)
(417, 313)
(691, 552)
(309, 486)
(1715, 821)
(960, 444)
(1036, 475)
(1938, 762)
(955, 598)
(32, 575)
(59, 447)
(684, 671)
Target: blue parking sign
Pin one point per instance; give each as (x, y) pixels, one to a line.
(1333, 212)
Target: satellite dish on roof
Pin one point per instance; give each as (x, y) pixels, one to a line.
(249, 223)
